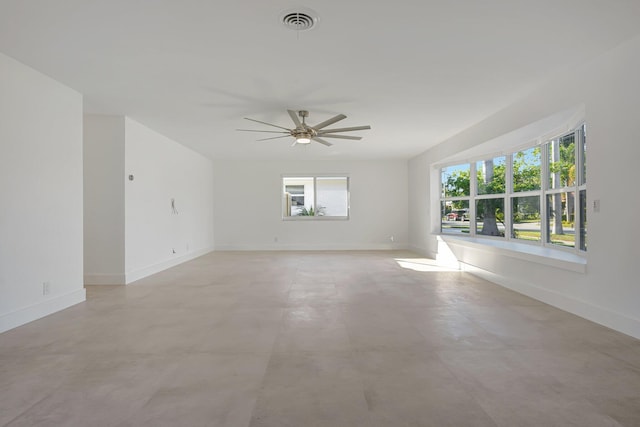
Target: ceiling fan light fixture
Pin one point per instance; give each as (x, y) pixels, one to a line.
(303, 138)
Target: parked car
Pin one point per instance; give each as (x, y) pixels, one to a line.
(458, 215)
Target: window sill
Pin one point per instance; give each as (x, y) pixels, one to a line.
(315, 218)
(538, 254)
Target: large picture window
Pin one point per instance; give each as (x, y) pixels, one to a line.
(536, 195)
(317, 197)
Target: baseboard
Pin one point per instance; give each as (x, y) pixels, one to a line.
(312, 247)
(422, 251)
(104, 279)
(141, 273)
(36, 311)
(600, 315)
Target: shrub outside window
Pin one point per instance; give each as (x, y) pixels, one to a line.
(315, 197)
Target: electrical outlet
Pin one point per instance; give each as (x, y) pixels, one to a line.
(46, 288)
(392, 238)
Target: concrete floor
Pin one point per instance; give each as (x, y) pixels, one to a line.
(316, 339)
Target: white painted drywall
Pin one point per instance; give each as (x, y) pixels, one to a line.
(248, 206)
(104, 245)
(41, 188)
(156, 236)
(609, 291)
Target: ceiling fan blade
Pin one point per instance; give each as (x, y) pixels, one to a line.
(274, 137)
(322, 141)
(294, 117)
(330, 121)
(265, 123)
(255, 130)
(344, 129)
(330, 135)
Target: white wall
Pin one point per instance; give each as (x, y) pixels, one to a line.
(609, 291)
(41, 188)
(156, 237)
(248, 207)
(104, 141)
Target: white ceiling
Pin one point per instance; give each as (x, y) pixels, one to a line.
(417, 71)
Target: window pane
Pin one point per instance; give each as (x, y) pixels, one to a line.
(490, 217)
(455, 180)
(298, 196)
(562, 162)
(333, 196)
(525, 218)
(583, 220)
(560, 219)
(455, 217)
(526, 170)
(491, 175)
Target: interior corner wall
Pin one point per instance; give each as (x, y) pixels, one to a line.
(41, 187)
(608, 293)
(104, 245)
(168, 204)
(248, 206)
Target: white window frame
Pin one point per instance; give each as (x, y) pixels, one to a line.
(314, 176)
(542, 193)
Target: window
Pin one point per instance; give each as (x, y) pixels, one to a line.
(456, 187)
(536, 195)
(525, 222)
(317, 197)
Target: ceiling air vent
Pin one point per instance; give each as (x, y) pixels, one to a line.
(299, 20)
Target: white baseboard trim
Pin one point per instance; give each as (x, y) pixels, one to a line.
(311, 247)
(600, 315)
(104, 279)
(422, 251)
(141, 273)
(36, 311)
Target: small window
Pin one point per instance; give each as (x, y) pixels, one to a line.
(490, 217)
(526, 170)
(525, 218)
(456, 181)
(491, 175)
(562, 162)
(316, 197)
(455, 217)
(561, 216)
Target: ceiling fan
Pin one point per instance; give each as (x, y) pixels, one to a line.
(304, 134)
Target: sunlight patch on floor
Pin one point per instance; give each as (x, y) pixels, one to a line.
(423, 265)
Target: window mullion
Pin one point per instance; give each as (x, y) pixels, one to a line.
(315, 197)
(544, 186)
(508, 191)
(473, 191)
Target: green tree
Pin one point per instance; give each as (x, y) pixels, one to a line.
(491, 179)
(458, 184)
(526, 170)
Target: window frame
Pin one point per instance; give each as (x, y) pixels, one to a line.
(579, 189)
(315, 217)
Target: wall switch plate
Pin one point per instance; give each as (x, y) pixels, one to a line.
(46, 288)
